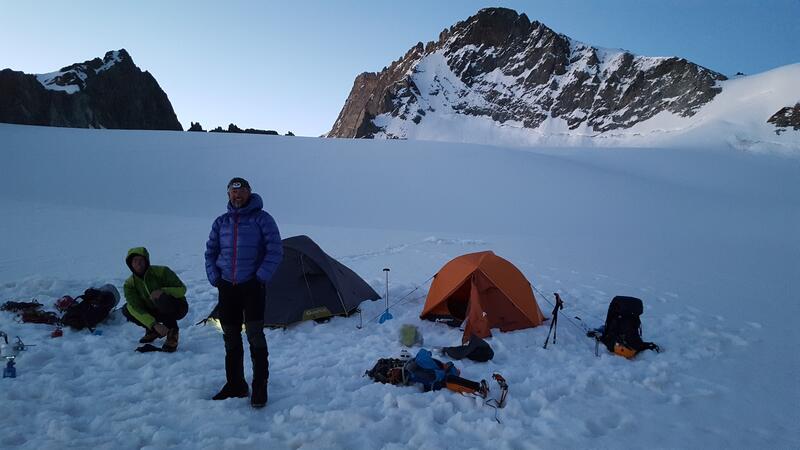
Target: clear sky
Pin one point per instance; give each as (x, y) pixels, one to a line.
(289, 66)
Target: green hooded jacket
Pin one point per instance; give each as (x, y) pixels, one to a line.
(138, 289)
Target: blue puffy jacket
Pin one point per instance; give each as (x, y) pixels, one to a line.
(244, 243)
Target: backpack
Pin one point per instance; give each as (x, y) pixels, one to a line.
(433, 375)
(388, 371)
(423, 369)
(94, 306)
(429, 372)
(477, 350)
(622, 332)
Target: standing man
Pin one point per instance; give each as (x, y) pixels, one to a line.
(156, 299)
(242, 253)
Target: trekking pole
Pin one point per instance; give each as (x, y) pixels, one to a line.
(386, 314)
(554, 322)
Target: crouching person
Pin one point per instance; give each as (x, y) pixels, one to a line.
(156, 299)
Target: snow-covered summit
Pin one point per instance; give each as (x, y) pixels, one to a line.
(499, 78)
(72, 79)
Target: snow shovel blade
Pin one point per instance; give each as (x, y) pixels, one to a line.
(385, 316)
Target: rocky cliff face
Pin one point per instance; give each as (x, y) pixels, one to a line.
(102, 93)
(788, 117)
(500, 65)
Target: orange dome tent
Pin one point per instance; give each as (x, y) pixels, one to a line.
(485, 290)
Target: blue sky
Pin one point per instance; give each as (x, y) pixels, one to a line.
(289, 66)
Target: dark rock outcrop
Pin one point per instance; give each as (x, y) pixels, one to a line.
(499, 64)
(232, 128)
(788, 117)
(102, 93)
(196, 127)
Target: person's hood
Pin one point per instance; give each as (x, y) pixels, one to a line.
(140, 251)
(254, 204)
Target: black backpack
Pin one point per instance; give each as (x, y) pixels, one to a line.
(622, 333)
(94, 306)
(387, 370)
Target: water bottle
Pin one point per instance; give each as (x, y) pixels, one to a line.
(10, 371)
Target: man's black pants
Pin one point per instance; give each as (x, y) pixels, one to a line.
(169, 310)
(239, 304)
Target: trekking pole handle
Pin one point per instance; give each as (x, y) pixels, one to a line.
(559, 302)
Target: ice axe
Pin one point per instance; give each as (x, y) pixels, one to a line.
(386, 314)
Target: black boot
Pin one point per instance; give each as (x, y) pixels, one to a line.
(172, 340)
(259, 398)
(229, 391)
(260, 376)
(235, 385)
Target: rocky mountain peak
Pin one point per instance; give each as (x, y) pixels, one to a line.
(499, 65)
(108, 92)
(491, 27)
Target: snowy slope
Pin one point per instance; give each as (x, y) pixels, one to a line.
(708, 239)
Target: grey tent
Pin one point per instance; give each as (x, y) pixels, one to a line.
(310, 284)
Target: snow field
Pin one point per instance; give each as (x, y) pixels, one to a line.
(707, 239)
